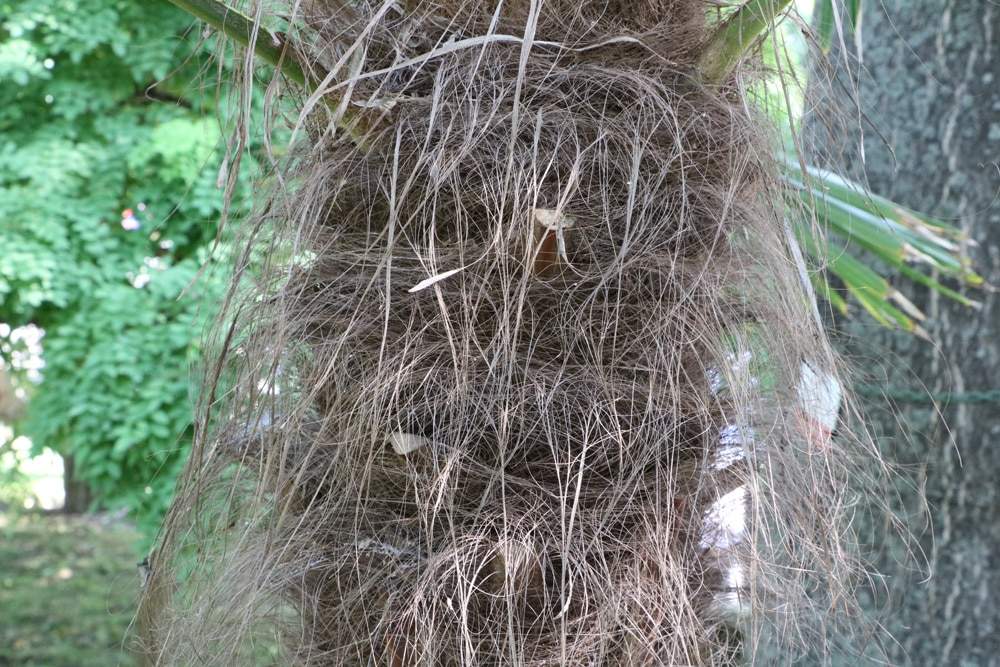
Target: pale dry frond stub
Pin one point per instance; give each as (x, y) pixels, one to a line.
(517, 383)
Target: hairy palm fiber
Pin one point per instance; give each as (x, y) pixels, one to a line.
(517, 379)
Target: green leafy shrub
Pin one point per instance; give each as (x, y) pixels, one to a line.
(109, 156)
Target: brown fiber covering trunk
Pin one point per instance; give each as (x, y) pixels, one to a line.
(522, 348)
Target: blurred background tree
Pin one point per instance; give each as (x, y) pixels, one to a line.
(110, 209)
(927, 86)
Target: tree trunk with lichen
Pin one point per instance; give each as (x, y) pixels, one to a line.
(932, 90)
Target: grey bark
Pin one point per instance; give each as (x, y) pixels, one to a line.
(932, 90)
(78, 494)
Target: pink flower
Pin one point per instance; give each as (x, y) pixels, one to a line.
(129, 222)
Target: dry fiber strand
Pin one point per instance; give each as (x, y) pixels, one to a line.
(517, 382)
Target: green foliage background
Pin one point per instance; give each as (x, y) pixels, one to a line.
(108, 105)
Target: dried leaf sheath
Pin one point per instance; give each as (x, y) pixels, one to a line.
(487, 444)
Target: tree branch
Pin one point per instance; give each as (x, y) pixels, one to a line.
(273, 50)
(241, 28)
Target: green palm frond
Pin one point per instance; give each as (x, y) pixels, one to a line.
(915, 246)
(828, 19)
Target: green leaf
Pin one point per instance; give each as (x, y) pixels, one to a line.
(177, 149)
(825, 25)
(826, 21)
(900, 238)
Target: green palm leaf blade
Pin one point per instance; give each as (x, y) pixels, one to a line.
(900, 238)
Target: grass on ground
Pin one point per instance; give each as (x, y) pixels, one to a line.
(68, 589)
